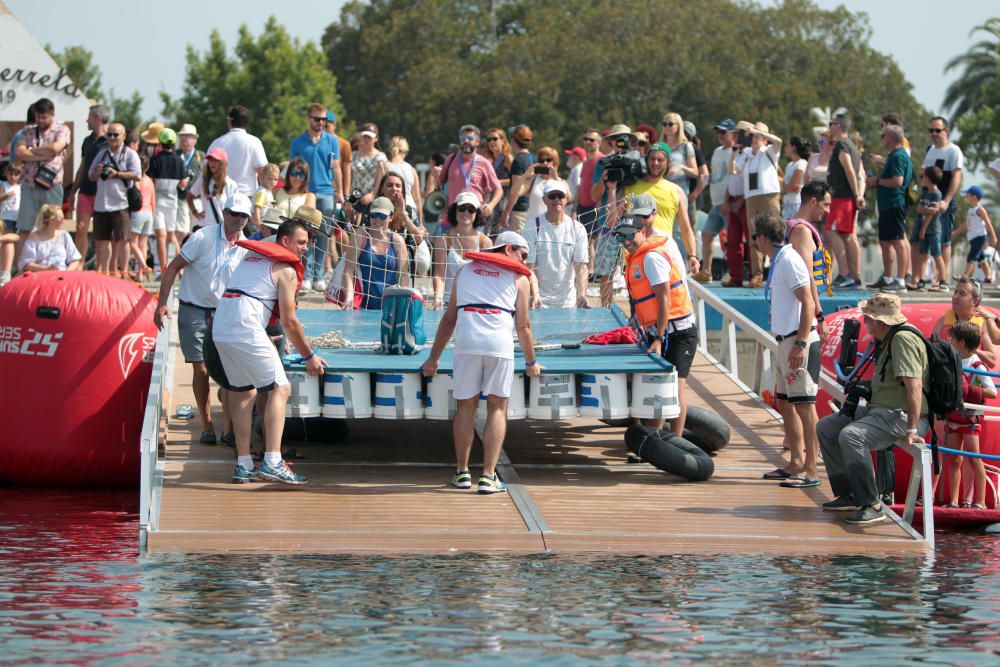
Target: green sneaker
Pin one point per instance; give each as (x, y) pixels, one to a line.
(491, 484)
(462, 479)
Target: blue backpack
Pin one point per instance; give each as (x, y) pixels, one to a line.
(402, 321)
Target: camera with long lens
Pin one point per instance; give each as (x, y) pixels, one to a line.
(853, 393)
(625, 168)
(106, 172)
(855, 389)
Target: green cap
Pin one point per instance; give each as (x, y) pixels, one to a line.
(660, 146)
(167, 136)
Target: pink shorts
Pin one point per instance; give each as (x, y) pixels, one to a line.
(85, 206)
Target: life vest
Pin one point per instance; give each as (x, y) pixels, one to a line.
(279, 254)
(640, 291)
(970, 394)
(950, 319)
(499, 259)
(822, 263)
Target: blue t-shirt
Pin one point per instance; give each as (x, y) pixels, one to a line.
(897, 163)
(318, 156)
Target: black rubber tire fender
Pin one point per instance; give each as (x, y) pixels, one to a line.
(670, 453)
(707, 429)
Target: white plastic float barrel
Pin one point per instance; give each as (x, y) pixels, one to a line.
(398, 396)
(347, 395)
(516, 408)
(604, 395)
(552, 396)
(305, 398)
(654, 395)
(439, 402)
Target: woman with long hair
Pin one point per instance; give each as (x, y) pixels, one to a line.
(546, 168)
(365, 162)
(465, 234)
(48, 247)
(399, 148)
(818, 163)
(683, 165)
(497, 150)
(377, 257)
(214, 188)
(403, 219)
(798, 151)
(295, 192)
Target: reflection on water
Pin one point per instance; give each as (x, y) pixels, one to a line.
(73, 587)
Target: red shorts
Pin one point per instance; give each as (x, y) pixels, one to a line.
(85, 206)
(842, 215)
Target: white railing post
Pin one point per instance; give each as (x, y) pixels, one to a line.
(702, 328)
(927, 464)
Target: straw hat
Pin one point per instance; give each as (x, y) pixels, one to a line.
(760, 128)
(187, 128)
(883, 307)
(152, 133)
(311, 218)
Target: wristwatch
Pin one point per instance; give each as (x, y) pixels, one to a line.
(656, 337)
(801, 344)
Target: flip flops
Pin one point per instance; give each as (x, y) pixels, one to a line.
(777, 474)
(800, 482)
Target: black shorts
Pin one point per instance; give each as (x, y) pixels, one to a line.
(892, 224)
(681, 348)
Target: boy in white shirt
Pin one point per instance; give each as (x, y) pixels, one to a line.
(979, 228)
(10, 197)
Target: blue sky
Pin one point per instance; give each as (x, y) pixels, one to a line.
(907, 30)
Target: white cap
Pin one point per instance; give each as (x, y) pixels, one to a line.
(554, 185)
(510, 238)
(382, 205)
(239, 203)
(467, 197)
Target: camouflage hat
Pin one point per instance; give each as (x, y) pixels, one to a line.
(883, 307)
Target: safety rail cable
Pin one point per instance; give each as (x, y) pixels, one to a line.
(151, 467)
(766, 346)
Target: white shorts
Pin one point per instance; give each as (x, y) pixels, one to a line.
(165, 215)
(798, 385)
(476, 374)
(183, 217)
(251, 365)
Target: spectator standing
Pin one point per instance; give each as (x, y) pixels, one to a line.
(608, 193)
(10, 198)
(819, 162)
(585, 211)
(245, 151)
(466, 170)
(48, 247)
(847, 190)
(890, 196)
(738, 244)
(537, 177)
(717, 191)
(803, 235)
(365, 162)
(346, 156)
(42, 150)
(683, 165)
(167, 170)
(192, 158)
(798, 151)
(16, 139)
(142, 224)
(464, 235)
(403, 220)
(85, 189)
(522, 158)
(557, 252)
(927, 232)
(498, 152)
(575, 158)
(399, 148)
(115, 169)
(213, 189)
(695, 185)
(947, 157)
(979, 228)
(761, 185)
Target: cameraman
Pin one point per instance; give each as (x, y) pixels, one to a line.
(897, 410)
(115, 170)
(609, 192)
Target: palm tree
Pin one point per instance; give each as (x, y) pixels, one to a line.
(979, 67)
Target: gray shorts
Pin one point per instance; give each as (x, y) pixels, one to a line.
(32, 200)
(192, 322)
(715, 222)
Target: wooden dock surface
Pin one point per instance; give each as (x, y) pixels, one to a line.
(385, 489)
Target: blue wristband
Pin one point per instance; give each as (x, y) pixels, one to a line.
(530, 363)
(311, 355)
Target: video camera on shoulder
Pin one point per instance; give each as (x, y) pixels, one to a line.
(624, 168)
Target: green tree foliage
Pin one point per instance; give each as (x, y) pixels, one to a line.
(79, 64)
(127, 110)
(975, 95)
(422, 68)
(273, 75)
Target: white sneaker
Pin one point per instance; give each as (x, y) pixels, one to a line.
(306, 286)
(319, 285)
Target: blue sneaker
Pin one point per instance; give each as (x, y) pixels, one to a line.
(491, 484)
(244, 475)
(280, 473)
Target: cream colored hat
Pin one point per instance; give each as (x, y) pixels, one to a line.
(187, 128)
(883, 307)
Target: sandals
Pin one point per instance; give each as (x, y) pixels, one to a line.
(799, 482)
(756, 282)
(777, 474)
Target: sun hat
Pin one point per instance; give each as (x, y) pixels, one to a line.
(554, 185)
(271, 217)
(744, 126)
(152, 133)
(883, 308)
(382, 205)
(643, 205)
(620, 130)
(467, 197)
(167, 136)
(760, 128)
(311, 218)
(187, 128)
(513, 239)
(239, 203)
(368, 133)
(217, 153)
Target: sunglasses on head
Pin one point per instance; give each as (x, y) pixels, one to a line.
(378, 216)
(467, 137)
(466, 208)
(296, 174)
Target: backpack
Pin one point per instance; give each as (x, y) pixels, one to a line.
(402, 327)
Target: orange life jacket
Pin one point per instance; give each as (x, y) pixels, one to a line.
(640, 292)
(279, 254)
(499, 259)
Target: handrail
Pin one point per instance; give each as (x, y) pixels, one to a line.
(768, 346)
(151, 466)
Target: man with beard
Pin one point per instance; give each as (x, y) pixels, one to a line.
(467, 170)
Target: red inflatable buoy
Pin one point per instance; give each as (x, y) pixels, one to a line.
(76, 359)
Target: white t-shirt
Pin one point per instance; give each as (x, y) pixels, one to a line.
(485, 331)
(246, 156)
(219, 199)
(788, 273)
(9, 207)
(977, 380)
(719, 175)
(536, 199)
(573, 181)
(760, 175)
(553, 250)
(735, 184)
(211, 263)
(657, 269)
(244, 318)
(976, 225)
(948, 159)
(794, 197)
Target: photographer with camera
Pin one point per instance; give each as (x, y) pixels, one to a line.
(896, 410)
(757, 164)
(41, 149)
(115, 170)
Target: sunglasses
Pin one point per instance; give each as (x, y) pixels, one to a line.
(318, 119)
(114, 134)
(666, 124)
(556, 196)
(643, 143)
(625, 235)
(466, 208)
(591, 140)
(467, 137)
(543, 160)
(935, 130)
(492, 138)
(296, 174)
(241, 216)
(378, 216)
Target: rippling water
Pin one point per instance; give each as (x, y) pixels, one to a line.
(74, 589)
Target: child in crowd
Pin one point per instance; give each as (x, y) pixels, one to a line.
(142, 225)
(964, 426)
(978, 227)
(264, 197)
(10, 198)
(927, 232)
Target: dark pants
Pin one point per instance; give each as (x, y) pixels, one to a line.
(736, 239)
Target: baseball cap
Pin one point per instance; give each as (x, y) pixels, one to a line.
(331, 117)
(467, 197)
(660, 146)
(382, 205)
(690, 131)
(629, 222)
(218, 153)
(167, 136)
(726, 125)
(975, 191)
(577, 151)
(510, 238)
(554, 185)
(643, 205)
(239, 203)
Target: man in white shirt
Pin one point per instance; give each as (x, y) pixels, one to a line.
(717, 190)
(246, 153)
(210, 256)
(947, 157)
(793, 322)
(557, 253)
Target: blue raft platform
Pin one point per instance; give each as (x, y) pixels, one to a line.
(751, 302)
